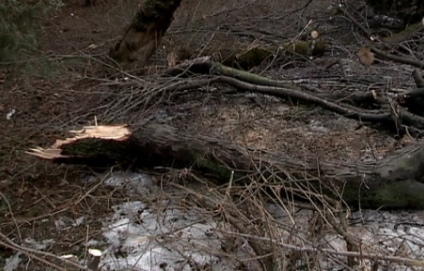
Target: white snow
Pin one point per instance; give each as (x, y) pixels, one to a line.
(158, 237)
(161, 236)
(157, 232)
(12, 263)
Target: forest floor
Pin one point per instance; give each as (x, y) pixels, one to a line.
(66, 87)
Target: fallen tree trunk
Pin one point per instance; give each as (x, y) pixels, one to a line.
(245, 59)
(394, 182)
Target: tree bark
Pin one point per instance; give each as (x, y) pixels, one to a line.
(394, 182)
(145, 32)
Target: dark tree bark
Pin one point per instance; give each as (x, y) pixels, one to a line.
(145, 32)
(414, 99)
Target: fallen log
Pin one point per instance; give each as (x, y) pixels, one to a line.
(394, 182)
(246, 59)
(414, 99)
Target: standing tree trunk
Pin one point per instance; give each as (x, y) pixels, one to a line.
(145, 32)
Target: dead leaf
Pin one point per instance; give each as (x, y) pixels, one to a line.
(366, 56)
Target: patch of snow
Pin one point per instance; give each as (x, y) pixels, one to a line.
(92, 243)
(65, 223)
(158, 235)
(161, 236)
(133, 183)
(12, 263)
(380, 232)
(59, 224)
(151, 240)
(10, 114)
(78, 221)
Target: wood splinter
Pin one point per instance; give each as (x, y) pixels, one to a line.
(118, 133)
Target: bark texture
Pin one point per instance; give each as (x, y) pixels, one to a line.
(145, 32)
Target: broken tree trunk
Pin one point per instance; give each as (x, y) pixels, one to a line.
(145, 32)
(394, 182)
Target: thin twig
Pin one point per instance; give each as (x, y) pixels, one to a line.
(12, 215)
(30, 253)
(33, 256)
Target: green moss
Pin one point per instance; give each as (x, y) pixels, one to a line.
(252, 78)
(305, 48)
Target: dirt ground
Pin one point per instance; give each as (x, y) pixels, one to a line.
(67, 87)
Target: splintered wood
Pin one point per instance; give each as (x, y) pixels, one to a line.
(117, 133)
